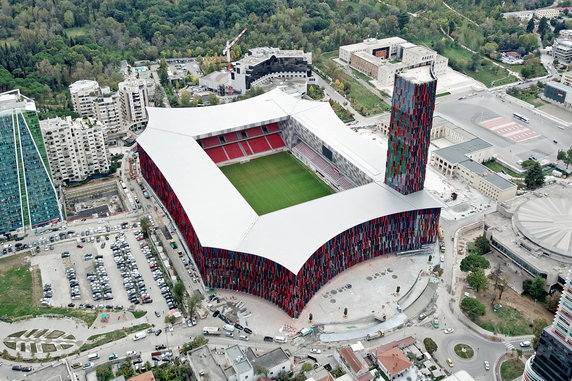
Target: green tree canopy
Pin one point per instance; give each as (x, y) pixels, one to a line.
(430, 345)
(535, 288)
(482, 244)
(477, 279)
(534, 177)
(565, 156)
(472, 307)
(537, 326)
(474, 261)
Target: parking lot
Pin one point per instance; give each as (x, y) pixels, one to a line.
(99, 278)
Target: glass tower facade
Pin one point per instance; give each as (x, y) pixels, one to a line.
(412, 108)
(553, 358)
(27, 193)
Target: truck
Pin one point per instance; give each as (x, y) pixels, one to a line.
(306, 331)
(211, 331)
(139, 336)
(375, 335)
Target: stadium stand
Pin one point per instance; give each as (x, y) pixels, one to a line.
(233, 150)
(326, 169)
(275, 141)
(273, 127)
(210, 141)
(254, 131)
(230, 137)
(259, 144)
(246, 147)
(217, 154)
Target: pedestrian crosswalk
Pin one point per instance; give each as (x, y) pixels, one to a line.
(509, 346)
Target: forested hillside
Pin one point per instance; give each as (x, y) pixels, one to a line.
(47, 44)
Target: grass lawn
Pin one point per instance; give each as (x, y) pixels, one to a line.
(497, 167)
(19, 290)
(364, 101)
(79, 31)
(443, 94)
(511, 369)
(104, 338)
(467, 353)
(275, 182)
(361, 75)
(509, 322)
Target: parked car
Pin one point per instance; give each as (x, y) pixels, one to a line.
(487, 365)
(315, 351)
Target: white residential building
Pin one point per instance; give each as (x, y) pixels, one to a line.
(75, 148)
(83, 94)
(107, 112)
(133, 100)
(562, 47)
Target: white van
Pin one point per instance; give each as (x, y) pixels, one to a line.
(93, 356)
(280, 339)
(139, 336)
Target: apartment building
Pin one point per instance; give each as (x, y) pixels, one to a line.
(75, 148)
(133, 100)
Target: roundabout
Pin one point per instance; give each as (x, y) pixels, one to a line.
(464, 351)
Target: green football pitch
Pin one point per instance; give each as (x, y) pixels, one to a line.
(275, 182)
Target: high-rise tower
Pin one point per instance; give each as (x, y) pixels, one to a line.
(412, 108)
(27, 194)
(553, 358)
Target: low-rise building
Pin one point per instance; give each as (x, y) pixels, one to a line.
(385, 48)
(562, 47)
(566, 78)
(76, 148)
(353, 363)
(240, 369)
(147, 376)
(393, 363)
(204, 365)
(217, 81)
(276, 361)
(464, 160)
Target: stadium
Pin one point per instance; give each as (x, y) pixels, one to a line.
(274, 196)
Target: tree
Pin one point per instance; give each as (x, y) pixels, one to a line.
(306, 367)
(430, 345)
(534, 177)
(528, 41)
(530, 25)
(193, 302)
(261, 369)
(543, 26)
(184, 99)
(482, 244)
(179, 291)
(472, 307)
(535, 288)
(477, 279)
(565, 156)
(537, 326)
(170, 319)
(553, 301)
(197, 342)
(163, 74)
(104, 372)
(145, 226)
(473, 262)
(213, 100)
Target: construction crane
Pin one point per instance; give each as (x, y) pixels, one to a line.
(226, 51)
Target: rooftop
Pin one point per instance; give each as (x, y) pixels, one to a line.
(261, 54)
(12, 99)
(418, 75)
(370, 58)
(83, 84)
(492, 177)
(373, 42)
(352, 360)
(58, 371)
(238, 360)
(394, 361)
(458, 153)
(269, 359)
(201, 359)
(147, 376)
(222, 218)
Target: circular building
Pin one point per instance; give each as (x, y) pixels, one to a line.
(547, 222)
(274, 196)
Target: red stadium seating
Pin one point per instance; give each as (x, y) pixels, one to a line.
(233, 150)
(246, 147)
(210, 141)
(217, 154)
(275, 141)
(259, 144)
(273, 127)
(254, 131)
(230, 137)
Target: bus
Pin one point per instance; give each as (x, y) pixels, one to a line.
(520, 117)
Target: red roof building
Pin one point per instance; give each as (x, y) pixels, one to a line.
(393, 363)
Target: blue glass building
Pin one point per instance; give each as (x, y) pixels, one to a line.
(27, 193)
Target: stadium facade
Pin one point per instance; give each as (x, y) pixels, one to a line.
(287, 255)
(27, 194)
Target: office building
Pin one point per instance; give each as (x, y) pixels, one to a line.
(558, 93)
(76, 148)
(133, 100)
(383, 59)
(562, 47)
(264, 64)
(553, 358)
(27, 193)
(412, 108)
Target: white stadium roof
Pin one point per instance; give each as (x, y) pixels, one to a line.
(222, 218)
